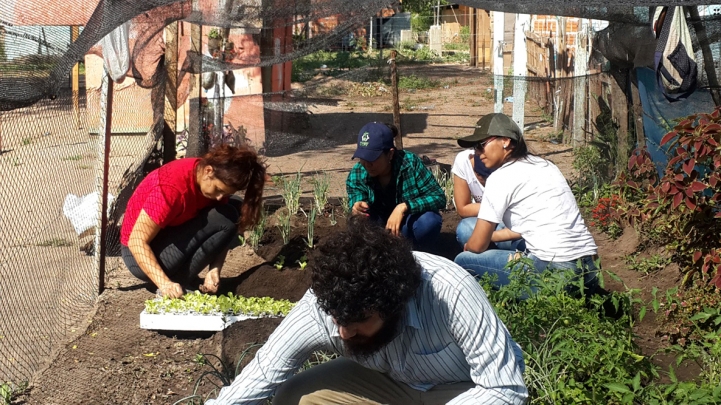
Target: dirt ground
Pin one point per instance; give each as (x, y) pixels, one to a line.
(109, 359)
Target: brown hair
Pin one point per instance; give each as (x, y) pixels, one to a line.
(241, 168)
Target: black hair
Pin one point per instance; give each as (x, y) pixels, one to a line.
(361, 270)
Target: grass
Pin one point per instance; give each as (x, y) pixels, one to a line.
(413, 82)
(73, 157)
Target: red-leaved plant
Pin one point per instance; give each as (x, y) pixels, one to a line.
(684, 206)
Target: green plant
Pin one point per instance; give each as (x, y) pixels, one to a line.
(688, 313)
(345, 204)
(220, 374)
(333, 220)
(571, 352)
(290, 191)
(9, 391)
(73, 157)
(311, 228)
(586, 162)
(27, 141)
(445, 180)
(321, 184)
(686, 201)
(284, 226)
(302, 262)
(416, 83)
(279, 262)
(647, 265)
(214, 33)
(204, 304)
(256, 234)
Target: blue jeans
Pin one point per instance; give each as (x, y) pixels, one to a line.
(422, 229)
(493, 262)
(465, 229)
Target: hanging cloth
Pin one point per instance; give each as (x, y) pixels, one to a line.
(675, 64)
(116, 52)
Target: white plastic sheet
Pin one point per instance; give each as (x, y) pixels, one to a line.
(83, 211)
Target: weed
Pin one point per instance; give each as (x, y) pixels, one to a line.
(417, 83)
(73, 157)
(84, 167)
(220, 375)
(647, 265)
(27, 141)
(321, 184)
(333, 220)
(55, 242)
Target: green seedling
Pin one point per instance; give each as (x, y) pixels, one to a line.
(204, 304)
(284, 226)
(73, 157)
(321, 184)
(345, 204)
(311, 228)
(333, 220)
(279, 262)
(290, 191)
(302, 262)
(256, 233)
(241, 240)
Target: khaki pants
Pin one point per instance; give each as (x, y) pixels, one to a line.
(343, 381)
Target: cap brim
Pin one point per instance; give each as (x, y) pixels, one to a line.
(367, 154)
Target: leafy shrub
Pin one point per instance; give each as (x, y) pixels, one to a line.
(572, 353)
(683, 207)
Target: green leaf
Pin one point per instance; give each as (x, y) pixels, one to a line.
(617, 387)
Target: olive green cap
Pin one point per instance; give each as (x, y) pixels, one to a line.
(496, 124)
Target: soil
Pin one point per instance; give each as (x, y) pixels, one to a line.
(109, 359)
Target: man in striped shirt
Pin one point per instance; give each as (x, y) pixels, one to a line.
(410, 328)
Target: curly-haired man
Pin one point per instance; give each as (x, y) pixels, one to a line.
(410, 328)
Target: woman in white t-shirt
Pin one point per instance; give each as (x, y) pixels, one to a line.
(530, 195)
(469, 179)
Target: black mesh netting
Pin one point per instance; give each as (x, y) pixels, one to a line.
(195, 74)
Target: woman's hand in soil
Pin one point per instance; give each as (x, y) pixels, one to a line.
(211, 283)
(360, 208)
(396, 219)
(171, 290)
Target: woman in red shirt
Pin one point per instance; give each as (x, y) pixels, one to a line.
(182, 218)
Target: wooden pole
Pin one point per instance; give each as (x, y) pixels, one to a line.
(396, 102)
(75, 78)
(196, 143)
(171, 92)
(101, 234)
(474, 37)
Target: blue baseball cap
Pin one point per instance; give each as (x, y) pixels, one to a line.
(373, 139)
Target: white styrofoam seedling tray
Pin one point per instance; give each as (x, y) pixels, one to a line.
(190, 322)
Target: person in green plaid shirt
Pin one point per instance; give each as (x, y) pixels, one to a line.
(394, 188)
